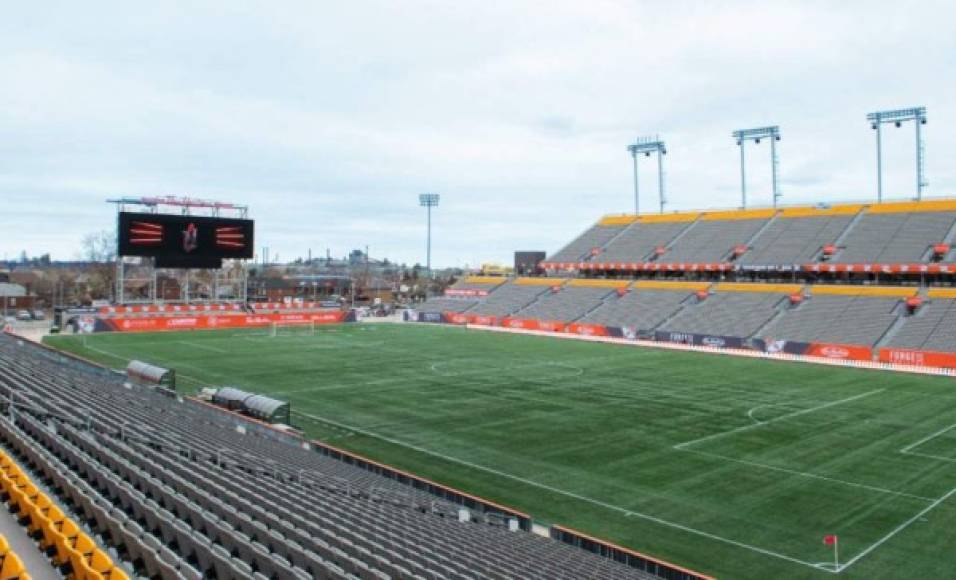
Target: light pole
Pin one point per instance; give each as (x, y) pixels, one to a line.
(898, 117)
(648, 145)
(755, 135)
(428, 201)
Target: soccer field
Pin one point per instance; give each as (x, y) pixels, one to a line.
(735, 467)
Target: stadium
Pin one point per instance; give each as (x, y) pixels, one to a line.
(761, 389)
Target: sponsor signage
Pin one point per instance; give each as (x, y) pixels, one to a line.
(923, 358)
(158, 323)
(840, 351)
(696, 339)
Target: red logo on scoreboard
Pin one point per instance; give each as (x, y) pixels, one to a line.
(190, 238)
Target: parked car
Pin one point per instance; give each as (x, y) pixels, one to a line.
(24, 315)
(38, 315)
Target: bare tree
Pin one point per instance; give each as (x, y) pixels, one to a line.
(99, 249)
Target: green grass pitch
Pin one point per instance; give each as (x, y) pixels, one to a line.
(735, 467)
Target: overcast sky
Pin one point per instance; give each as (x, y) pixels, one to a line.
(329, 118)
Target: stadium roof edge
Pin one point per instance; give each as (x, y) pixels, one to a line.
(925, 205)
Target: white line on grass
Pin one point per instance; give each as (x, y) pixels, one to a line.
(811, 475)
(203, 346)
(928, 438)
(775, 419)
(584, 498)
(895, 531)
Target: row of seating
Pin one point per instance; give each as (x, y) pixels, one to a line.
(867, 318)
(850, 234)
(177, 491)
(70, 548)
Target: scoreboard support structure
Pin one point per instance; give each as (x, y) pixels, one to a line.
(145, 268)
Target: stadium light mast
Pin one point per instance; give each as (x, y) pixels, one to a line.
(898, 117)
(648, 145)
(756, 134)
(428, 201)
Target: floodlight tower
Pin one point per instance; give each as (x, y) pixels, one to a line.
(428, 201)
(755, 135)
(898, 117)
(648, 145)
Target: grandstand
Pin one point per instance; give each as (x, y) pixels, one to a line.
(734, 310)
(645, 305)
(892, 234)
(175, 491)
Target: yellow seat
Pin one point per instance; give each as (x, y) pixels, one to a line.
(4, 546)
(12, 567)
(79, 555)
(64, 536)
(41, 508)
(22, 497)
(38, 507)
(100, 563)
(52, 520)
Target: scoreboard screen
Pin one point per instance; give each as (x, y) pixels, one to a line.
(184, 241)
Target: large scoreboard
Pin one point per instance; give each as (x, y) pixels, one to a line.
(184, 241)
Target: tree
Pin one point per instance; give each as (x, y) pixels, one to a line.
(99, 249)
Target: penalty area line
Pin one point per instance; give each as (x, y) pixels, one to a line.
(571, 494)
(776, 419)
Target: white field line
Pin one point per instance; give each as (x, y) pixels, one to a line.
(776, 419)
(930, 456)
(895, 531)
(928, 438)
(559, 491)
(812, 475)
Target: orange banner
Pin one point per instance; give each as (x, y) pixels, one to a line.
(531, 324)
(456, 318)
(840, 351)
(203, 321)
(922, 358)
(588, 329)
(482, 320)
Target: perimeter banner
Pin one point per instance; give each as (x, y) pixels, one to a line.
(532, 324)
(456, 318)
(922, 358)
(696, 339)
(204, 321)
(840, 351)
(772, 346)
(588, 329)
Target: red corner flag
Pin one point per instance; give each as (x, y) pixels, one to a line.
(829, 540)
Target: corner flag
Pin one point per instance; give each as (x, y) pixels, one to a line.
(833, 540)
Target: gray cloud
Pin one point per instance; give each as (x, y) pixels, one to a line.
(328, 119)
